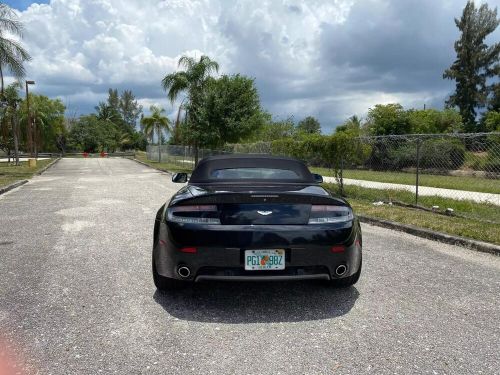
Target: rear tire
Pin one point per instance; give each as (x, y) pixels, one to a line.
(166, 283)
(347, 281)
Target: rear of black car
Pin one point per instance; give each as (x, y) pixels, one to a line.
(266, 230)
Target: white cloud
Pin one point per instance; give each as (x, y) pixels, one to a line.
(306, 56)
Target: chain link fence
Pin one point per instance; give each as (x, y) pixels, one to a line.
(458, 166)
(428, 170)
(453, 174)
(182, 157)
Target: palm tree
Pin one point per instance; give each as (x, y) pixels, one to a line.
(192, 81)
(176, 130)
(106, 112)
(155, 122)
(10, 116)
(12, 54)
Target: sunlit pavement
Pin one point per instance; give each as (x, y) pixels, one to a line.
(5, 160)
(474, 196)
(76, 295)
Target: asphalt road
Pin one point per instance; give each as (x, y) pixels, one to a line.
(76, 295)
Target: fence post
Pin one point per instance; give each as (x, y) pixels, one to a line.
(418, 171)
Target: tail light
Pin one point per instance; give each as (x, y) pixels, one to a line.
(324, 214)
(200, 214)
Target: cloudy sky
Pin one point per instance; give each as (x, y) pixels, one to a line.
(330, 59)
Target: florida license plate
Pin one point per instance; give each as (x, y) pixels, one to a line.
(262, 260)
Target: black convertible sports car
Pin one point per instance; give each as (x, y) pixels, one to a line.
(254, 217)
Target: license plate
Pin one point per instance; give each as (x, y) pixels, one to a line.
(262, 260)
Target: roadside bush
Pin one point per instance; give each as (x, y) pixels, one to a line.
(404, 156)
(434, 154)
(492, 164)
(387, 154)
(324, 150)
(442, 154)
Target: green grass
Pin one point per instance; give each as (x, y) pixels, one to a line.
(167, 166)
(468, 183)
(9, 173)
(481, 211)
(474, 229)
(477, 225)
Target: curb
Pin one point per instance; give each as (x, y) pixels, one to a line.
(7, 188)
(47, 166)
(147, 165)
(484, 247)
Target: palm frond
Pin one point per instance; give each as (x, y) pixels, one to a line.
(175, 83)
(8, 20)
(13, 55)
(186, 62)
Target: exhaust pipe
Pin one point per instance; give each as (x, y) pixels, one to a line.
(183, 272)
(340, 270)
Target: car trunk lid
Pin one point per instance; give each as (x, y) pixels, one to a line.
(284, 205)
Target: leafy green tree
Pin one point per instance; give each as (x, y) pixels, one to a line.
(48, 119)
(84, 134)
(177, 128)
(273, 130)
(114, 100)
(105, 112)
(137, 141)
(494, 101)
(309, 125)
(491, 121)
(9, 121)
(230, 111)
(475, 63)
(123, 111)
(432, 121)
(387, 119)
(130, 109)
(110, 110)
(192, 81)
(92, 134)
(156, 122)
(12, 54)
(352, 125)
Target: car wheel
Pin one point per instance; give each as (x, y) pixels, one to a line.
(347, 281)
(166, 283)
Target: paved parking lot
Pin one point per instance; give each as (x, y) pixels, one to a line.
(76, 295)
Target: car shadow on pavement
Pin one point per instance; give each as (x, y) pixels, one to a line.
(261, 302)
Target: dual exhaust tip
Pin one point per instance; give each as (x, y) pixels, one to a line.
(340, 270)
(183, 271)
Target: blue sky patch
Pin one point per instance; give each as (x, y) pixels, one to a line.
(23, 4)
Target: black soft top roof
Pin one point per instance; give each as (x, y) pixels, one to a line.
(203, 171)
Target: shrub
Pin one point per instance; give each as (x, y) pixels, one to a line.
(442, 154)
(492, 164)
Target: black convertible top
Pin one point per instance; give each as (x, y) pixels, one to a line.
(203, 172)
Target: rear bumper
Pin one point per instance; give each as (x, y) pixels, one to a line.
(322, 276)
(220, 251)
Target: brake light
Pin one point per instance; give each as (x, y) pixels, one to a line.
(337, 249)
(324, 214)
(189, 250)
(199, 214)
